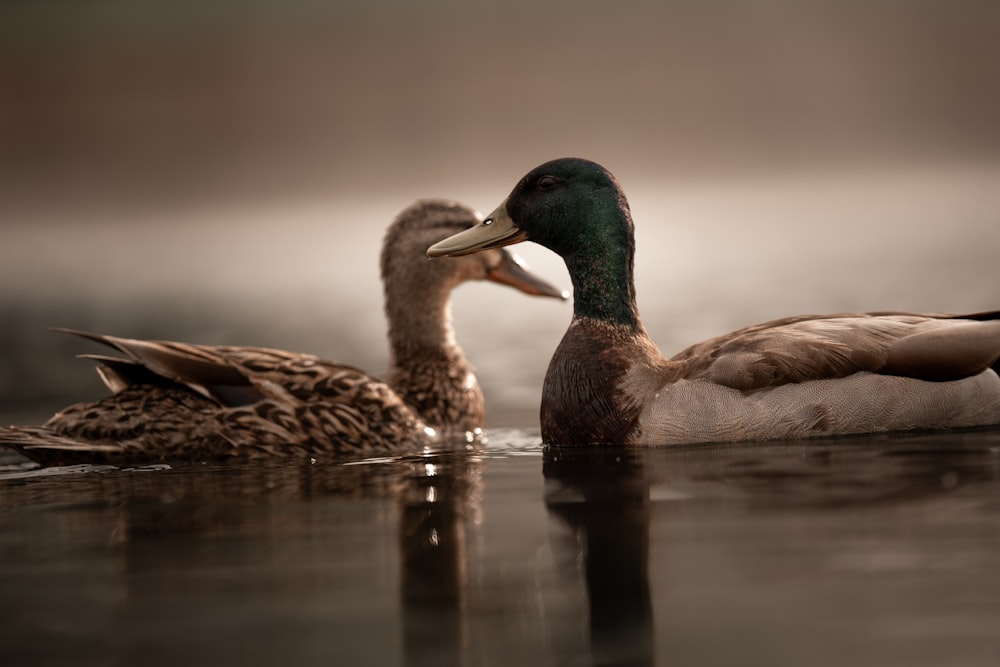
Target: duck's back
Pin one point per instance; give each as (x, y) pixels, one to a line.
(263, 404)
(830, 375)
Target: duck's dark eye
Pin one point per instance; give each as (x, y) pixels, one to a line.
(547, 182)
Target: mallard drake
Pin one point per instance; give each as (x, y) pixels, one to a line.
(176, 401)
(790, 378)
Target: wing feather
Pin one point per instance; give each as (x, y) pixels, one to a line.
(927, 347)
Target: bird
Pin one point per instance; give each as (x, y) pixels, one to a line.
(182, 402)
(802, 376)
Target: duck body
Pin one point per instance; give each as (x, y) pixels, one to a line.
(177, 401)
(608, 383)
(224, 403)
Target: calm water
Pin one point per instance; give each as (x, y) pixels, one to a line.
(877, 551)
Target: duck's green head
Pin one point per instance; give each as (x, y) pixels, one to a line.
(575, 208)
(566, 205)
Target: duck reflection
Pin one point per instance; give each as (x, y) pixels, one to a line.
(839, 473)
(439, 498)
(603, 495)
(297, 547)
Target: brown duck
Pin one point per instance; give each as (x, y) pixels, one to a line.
(795, 377)
(177, 401)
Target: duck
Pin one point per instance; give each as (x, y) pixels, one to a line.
(797, 377)
(173, 401)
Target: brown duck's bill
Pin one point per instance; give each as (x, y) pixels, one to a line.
(514, 272)
(495, 231)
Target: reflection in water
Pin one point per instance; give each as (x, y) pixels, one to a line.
(246, 544)
(830, 548)
(435, 503)
(608, 496)
(845, 473)
(603, 494)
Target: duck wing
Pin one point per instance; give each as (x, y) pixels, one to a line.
(229, 375)
(800, 349)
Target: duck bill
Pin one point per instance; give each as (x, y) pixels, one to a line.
(513, 271)
(495, 231)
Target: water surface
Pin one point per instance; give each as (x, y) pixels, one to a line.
(874, 550)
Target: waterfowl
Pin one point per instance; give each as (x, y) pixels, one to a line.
(176, 401)
(795, 377)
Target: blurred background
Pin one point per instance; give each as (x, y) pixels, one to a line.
(222, 171)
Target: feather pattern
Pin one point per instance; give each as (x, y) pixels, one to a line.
(179, 401)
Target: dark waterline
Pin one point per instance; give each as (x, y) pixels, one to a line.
(876, 550)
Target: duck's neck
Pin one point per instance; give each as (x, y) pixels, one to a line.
(428, 369)
(601, 269)
(419, 319)
(602, 291)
